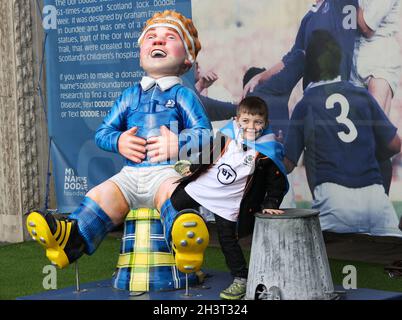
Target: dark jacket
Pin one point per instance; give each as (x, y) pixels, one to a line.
(265, 187)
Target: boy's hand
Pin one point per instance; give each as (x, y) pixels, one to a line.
(273, 211)
(163, 147)
(132, 147)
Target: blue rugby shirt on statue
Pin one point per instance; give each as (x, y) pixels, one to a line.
(335, 16)
(148, 106)
(338, 126)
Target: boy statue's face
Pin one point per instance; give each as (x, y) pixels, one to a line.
(162, 53)
(251, 124)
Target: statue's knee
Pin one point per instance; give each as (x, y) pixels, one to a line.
(107, 190)
(94, 194)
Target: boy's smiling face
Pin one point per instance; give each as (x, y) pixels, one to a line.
(162, 53)
(252, 125)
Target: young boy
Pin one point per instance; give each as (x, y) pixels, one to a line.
(144, 126)
(244, 175)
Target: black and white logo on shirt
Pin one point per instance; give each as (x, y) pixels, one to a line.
(226, 174)
(170, 104)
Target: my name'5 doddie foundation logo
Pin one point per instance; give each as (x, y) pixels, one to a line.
(73, 184)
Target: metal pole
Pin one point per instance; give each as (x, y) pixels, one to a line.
(187, 294)
(77, 277)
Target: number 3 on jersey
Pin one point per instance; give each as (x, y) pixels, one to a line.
(343, 117)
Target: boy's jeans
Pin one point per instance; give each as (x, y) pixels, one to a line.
(230, 247)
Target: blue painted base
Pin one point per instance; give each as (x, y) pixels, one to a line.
(103, 290)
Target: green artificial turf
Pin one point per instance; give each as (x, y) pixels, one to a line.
(22, 266)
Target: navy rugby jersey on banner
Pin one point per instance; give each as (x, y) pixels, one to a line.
(339, 18)
(339, 126)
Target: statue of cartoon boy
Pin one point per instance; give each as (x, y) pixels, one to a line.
(149, 125)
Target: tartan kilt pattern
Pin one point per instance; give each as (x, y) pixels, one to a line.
(146, 263)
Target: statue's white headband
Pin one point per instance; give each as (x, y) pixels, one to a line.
(178, 26)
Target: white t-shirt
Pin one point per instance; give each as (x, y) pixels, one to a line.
(221, 188)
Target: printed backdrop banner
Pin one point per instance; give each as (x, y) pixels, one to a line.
(239, 34)
(91, 57)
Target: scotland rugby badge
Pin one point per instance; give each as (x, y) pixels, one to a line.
(248, 160)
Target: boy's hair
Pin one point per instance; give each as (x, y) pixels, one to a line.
(254, 106)
(323, 57)
(184, 27)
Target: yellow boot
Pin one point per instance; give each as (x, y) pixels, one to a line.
(59, 237)
(190, 238)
